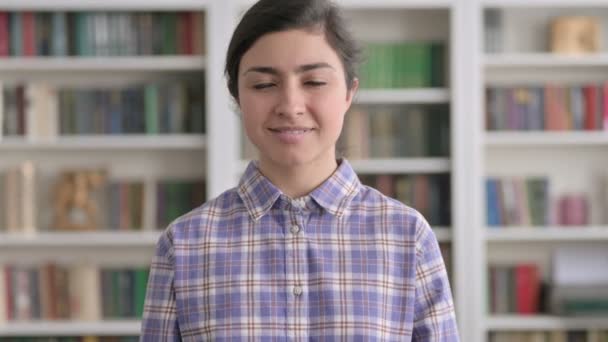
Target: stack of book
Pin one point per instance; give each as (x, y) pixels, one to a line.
(550, 108)
(517, 201)
(404, 65)
(580, 281)
(514, 289)
(429, 194)
(551, 336)
(101, 33)
(18, 202)
(77, 292)
(176, 198)
(396, 131)
(42, 111)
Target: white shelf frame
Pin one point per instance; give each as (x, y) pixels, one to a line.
(97, 239)
(403, 96)
(544, 322)
(107, 5)
(104, 142)
(391, 166)
(383, 4)
(542, 3)
(548, 234)
(561, 139)
(103, 63)
(544, 60)
(128, 327)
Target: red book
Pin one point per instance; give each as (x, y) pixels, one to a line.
(4, 35)
(385, 184)
(527, 283)
(8, 274)
(606, 106)
(29, 34)
(189, 32)
(590, 93)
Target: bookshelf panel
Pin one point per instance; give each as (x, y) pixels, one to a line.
(546, 234)
(91, 64)
(71, 328)
(543, 322)
(106, 142)
(80, 239)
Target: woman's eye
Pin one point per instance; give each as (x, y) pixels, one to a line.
(315, 83)
(263, 85)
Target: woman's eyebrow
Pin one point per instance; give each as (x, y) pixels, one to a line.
(300, 69)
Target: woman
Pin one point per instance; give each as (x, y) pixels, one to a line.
(300, 250)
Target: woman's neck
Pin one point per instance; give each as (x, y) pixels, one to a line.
(298, 180)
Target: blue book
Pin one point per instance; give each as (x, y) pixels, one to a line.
(59, 37)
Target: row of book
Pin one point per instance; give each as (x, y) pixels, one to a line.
(517, 201)
(429, 194)
(550, 108)
(71, 339)
(101, 33)
(175, 198)
(44, 111)
(514, 289)
(111, 205)
(125, 205)
(396, 131)
(77, 292)
(412, 64)
(549, 336)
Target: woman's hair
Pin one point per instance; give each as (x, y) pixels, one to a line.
(268, 16)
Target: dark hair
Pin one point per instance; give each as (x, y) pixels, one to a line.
(268, 16)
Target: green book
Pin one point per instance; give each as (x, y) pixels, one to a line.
(141, 282)
(151, 108)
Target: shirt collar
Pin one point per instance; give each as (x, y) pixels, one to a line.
(334, 195)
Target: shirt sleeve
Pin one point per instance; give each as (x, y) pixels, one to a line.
(159, 318)
(434, 317)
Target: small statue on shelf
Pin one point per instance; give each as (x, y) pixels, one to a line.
(74, 207)
(575, 35)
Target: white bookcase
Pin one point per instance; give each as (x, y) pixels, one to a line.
(572, 160)
(567, 157)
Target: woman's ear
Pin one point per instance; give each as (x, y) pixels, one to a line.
(350, 94)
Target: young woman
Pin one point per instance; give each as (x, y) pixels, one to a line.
(300, 250)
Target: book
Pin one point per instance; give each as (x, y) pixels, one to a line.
(580, 265)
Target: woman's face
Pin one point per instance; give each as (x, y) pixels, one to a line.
(293, 97)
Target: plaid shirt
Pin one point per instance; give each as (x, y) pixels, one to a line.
(344, 263)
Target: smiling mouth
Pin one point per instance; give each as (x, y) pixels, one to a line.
(295, 130)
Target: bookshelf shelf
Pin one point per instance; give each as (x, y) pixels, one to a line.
(544, 60)
(403, 96)
(104, 5)
(443, 234)
(71, 328)
(90, 64)
(105, 142)
(392, 166)
(401, 165)
(383, 4)
(85, 239)
(519, 323)
(543, 3)
(518, 234)
(561, 139)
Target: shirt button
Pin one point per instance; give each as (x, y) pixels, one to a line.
(295, 229)
(297, 290)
